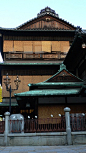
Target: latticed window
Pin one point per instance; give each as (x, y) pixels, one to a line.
(29, 72)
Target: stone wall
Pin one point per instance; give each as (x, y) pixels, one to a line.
(51, 138)
(78, 137)
(37, 139)
(1, 139)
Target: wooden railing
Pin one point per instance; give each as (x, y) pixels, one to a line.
(40, 56)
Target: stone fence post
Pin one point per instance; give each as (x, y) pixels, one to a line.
(68, 129)
(7, 114)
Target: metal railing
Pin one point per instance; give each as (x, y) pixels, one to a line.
(45, 125)
(78, 123)
(2, 127)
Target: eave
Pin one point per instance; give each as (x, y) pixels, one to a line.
(76, 53)
(20, 64)
(7, 104)
(34, 32)
(48, 92)
(57, 84)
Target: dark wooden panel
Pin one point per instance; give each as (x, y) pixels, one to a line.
(13, 56)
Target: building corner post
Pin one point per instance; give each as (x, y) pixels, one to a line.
(68, 129)
(7, 114)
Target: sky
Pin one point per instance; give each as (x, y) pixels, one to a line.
(13, 13)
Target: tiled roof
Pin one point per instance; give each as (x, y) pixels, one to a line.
(43, 12)
(37, 29)
(46, 11)
(64, 84)
(62, 88)
(44, 15)
(49, 92)
(30, 63)
(62, 67)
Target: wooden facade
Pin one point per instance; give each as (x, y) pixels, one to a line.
(50, 97)
(34, 51)
(46, 37)
(41, 50)
(45, 111)
(43, 47)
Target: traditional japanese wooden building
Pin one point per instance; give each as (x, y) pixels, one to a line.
(76, 57)
(34, 52)
(50, 97)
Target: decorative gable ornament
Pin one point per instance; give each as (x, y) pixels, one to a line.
(63, 75)
(47, 10)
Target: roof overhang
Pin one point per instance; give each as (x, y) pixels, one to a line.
(76, 53)
(38, 32)
(48, 92)
(11, 64)
(58, 84)
(7, 104)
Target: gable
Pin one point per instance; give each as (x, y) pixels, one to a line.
(63, 76)
(47, 22)
(47, 19)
